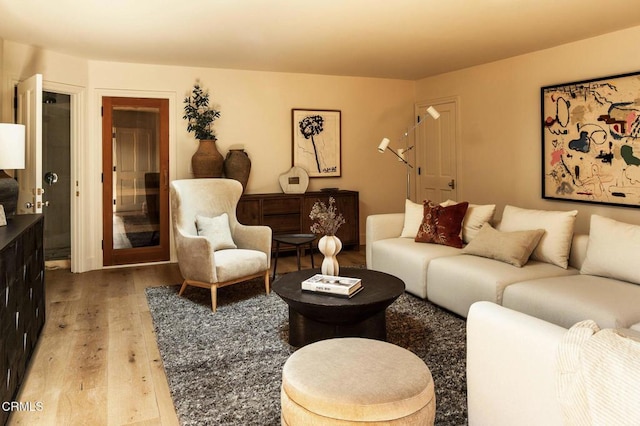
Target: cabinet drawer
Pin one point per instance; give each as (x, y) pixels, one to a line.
(248, 212)
(281, 206)
(283, 223)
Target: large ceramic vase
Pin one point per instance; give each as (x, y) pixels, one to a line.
(237, 165)
(330, 246)
(207, 162)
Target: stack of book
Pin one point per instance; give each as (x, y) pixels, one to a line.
(334, 286)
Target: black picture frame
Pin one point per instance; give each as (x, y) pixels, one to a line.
(591, 140)
(316, 141)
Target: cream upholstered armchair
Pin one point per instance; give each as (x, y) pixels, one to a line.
(213, 249)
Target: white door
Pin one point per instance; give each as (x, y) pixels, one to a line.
(436, 153)
(30, 114)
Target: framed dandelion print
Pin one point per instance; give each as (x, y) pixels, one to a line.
(591, 141)
(316, 136)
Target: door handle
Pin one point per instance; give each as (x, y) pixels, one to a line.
(51, 178)
(452, 184)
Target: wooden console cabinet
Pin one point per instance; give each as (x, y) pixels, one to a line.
(289, 213)
(22, 303)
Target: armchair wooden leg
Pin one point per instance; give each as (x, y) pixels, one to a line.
(184, 286)
(214, 297)
(266, 281)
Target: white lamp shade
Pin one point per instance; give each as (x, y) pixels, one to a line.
(383, 145)
(12, 152)
(433, 112)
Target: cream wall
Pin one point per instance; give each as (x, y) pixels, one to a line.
(499, 147)
(500, 140)
(3, 119)
(20, 61)
(256, 112)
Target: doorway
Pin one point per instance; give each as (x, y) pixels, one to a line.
(135, 153)
(63, 106)
(436, 160)
(56, 179)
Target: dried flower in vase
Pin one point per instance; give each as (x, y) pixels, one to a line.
(327, 219)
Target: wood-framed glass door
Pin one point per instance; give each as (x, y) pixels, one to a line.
(135, 191)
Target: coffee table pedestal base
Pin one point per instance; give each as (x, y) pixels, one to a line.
(304, 330)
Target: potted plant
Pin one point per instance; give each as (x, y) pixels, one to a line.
(207, 160)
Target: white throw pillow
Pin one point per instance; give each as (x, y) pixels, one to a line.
(476, 216)
(413, 214)
(448, 203)
(555, 245)
(613, 250)
(216, 230)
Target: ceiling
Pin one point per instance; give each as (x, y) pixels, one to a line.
(403, 39)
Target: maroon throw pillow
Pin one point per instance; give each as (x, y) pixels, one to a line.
(442, 225)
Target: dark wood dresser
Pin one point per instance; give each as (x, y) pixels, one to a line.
(289, 213)
(22, 303)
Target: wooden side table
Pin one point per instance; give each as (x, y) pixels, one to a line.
(297, 240)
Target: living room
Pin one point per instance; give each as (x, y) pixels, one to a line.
(372, 108)
(498, 116)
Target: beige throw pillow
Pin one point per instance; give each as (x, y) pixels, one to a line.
(555, 244)
(510, 247)
(613, 250)
(216, 230)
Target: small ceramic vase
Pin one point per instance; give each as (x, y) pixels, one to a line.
(330, 246)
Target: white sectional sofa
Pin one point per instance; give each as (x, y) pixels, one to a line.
(552, 285)
(535, 352)
(522, 370)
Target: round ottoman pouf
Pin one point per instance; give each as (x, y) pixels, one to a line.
(353, 380)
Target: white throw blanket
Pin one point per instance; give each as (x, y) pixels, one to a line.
(599, 376)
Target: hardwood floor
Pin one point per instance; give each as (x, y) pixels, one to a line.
(97, 361)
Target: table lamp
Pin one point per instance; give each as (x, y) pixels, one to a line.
(12, 157)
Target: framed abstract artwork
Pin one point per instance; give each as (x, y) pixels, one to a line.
(591, 141)
(316, 136)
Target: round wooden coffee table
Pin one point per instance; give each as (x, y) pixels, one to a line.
(314, 317)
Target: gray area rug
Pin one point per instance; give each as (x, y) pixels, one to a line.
(226, 368)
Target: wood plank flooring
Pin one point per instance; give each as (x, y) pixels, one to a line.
(97, 361)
